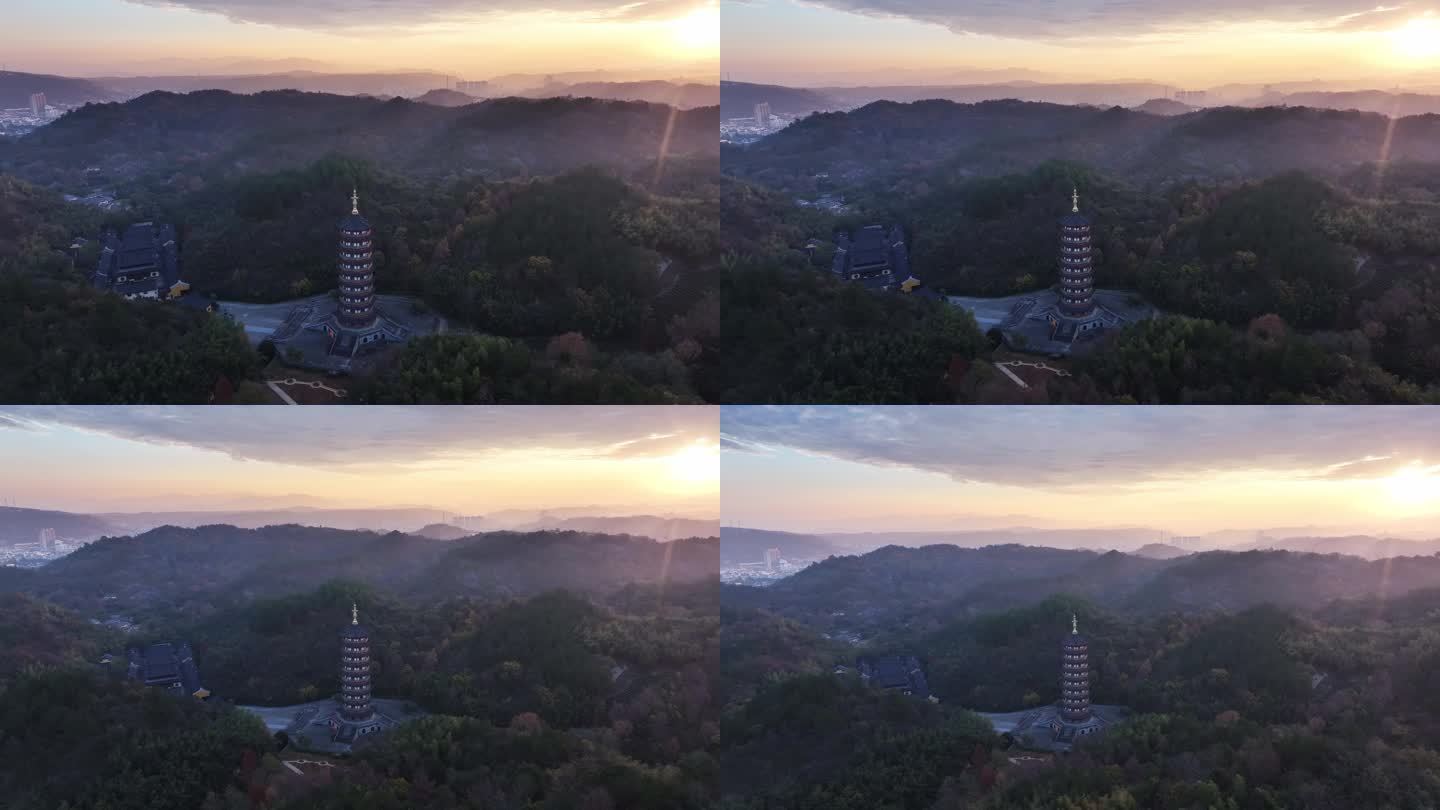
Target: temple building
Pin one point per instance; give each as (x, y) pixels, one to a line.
(356, 308)
(355, 670)
(894, 673)
(167, 666)
(1059, 725)
(339, 337)
(143, 262)
(349, 717)
(1068, 317)
(1077, 270)
(1075, 676)
(357, 322)
(874, 258)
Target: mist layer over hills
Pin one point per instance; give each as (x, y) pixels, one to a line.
(737, 99)
(16, 87)
(994, 136)
(943, 580)
(19, 525)
(218, 133)
(748, 545)
(170, 565)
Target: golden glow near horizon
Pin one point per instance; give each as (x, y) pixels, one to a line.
(1418, 40)
(815, 43)
(1414, 488)
(110, 37)
(655, 461)
(698, 32)
(808, 493)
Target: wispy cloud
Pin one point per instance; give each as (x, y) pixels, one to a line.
(1050, 20)
(1082, 447)
(403, 14)
(351, 436)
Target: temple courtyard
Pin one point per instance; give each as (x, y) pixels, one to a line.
(309, 725)
(1027, 322)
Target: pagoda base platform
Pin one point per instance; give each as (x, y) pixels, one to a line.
(319, 725)
(313, 337)
(1043, 729)
(1033, 322)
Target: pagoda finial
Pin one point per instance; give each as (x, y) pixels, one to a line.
(354, 613)
(1074, 625)
(354, 201)
(1074, 200)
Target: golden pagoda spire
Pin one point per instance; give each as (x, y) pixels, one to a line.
(354, 201)
(354, 613)
(1074, 625)
(1074, 200)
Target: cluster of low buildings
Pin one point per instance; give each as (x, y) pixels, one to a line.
(772, 569)
(17, 121)
(45, 548)
(141, 262)
(748, 129)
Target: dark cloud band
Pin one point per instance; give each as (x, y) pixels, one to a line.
(1050, 20)
(345, 14)
(1049, 447)
(390, 435)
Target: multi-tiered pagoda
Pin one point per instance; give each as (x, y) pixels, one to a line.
(357, 269)
(355, 703)
(1077, 269)
(1075, 676)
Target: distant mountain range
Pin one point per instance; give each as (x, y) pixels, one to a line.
(740, 545)
(686, 96)
(19, 525)
(23, 525)
(16, 89)
(219, 133)
(427, 86)
(441, 531)
(1010, 136)
(738, 99)
(1164, 106)
(1397, 105)
(941, 581)
(384, 85)
(446, 98)
(169, 565)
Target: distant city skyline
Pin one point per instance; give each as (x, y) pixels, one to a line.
(1173, 468)
(472, 39)
(878, 42)
(463, 460)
